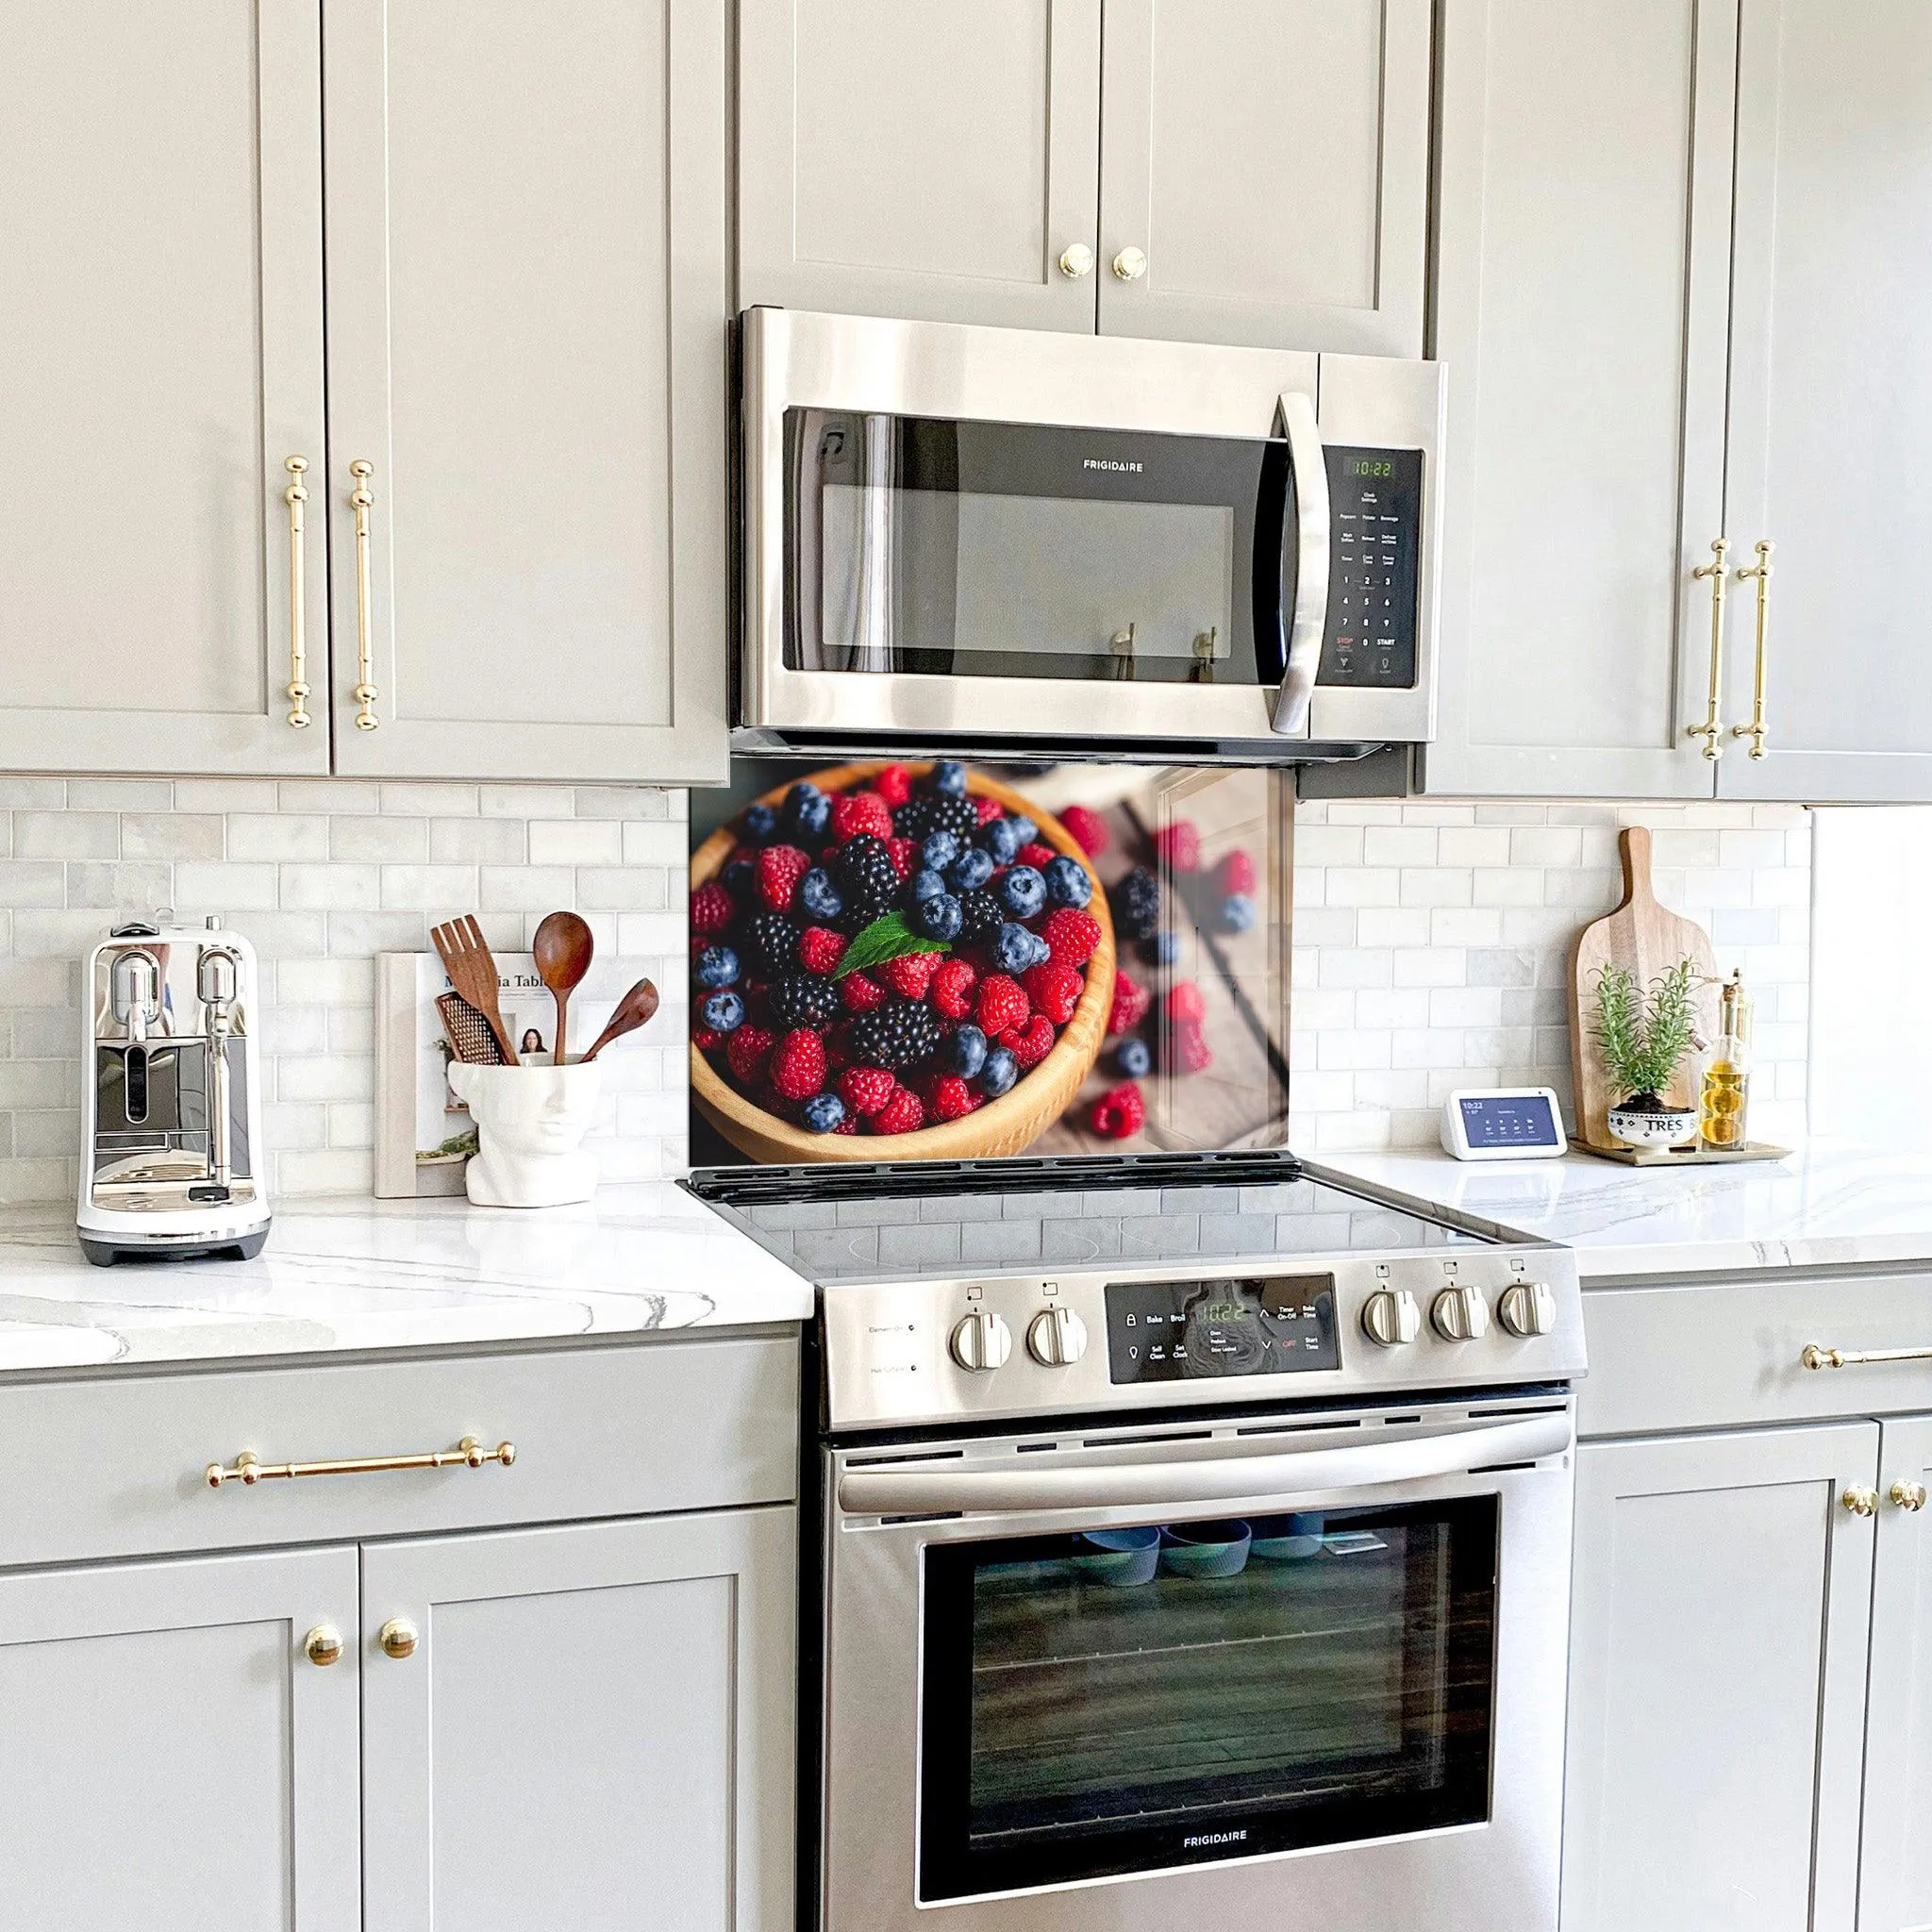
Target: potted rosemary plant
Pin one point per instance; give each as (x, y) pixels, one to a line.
(1643, 1036)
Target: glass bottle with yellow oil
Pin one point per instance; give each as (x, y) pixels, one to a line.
(1723, 1104)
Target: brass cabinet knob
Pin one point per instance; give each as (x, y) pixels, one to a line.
(322, 1646)
(1130, 264)
(398, 1637)
(1860, 1502)
(1076, 260)
(1908, 1496)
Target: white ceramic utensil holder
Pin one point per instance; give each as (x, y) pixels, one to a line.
(530, 1124)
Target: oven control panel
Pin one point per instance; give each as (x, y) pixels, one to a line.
(1375, 558)
(1214, 1326)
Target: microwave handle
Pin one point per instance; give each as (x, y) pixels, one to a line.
(1230, 1480)
(1308, 622)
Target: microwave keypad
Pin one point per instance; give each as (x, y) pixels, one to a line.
(1374, 503)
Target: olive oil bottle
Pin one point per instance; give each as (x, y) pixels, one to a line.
(1723, 1104)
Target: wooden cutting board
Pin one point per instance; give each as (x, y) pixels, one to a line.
(1645, 940)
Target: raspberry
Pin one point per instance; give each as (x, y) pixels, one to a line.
(1120, 1111)
(705, 1038)
(987, 809)
(848, 1125)
(1184, 1002)
(820, 948)
(1002, 1005)
(902, 1114)
(862, 993)
(1178, 846)
(741, 855)
(751, 1047)
(904, 853)
(1237, 874)
(779, 870)
(1036, 854)
(854, 812)
(1032, 1045)
(893, 783)
(1130, 1003)
(798, 1064)
(1055, 989)
(952, 1099)
(1088, 827)
(1188, 1048)
(1071, 937)
(711, 909)
(952, 989)
(865, 1089)
(910, 973)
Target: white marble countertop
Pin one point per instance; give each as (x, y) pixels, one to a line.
(1832, 1204)
(358, 1274)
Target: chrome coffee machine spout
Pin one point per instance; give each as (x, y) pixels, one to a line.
(217, 984)
(137, 993)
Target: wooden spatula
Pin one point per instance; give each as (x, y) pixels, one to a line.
(465, 957)
(633, 1009)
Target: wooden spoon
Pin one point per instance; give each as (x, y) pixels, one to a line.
(466, 959)
(633, 1009)
(562, 949)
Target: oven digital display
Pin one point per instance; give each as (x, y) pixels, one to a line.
(1202, 1330)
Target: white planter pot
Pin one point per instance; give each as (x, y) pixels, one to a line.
(530, 1125)
(1646, 1129)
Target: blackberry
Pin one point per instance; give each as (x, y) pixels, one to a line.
(1137, 903)
(925, 813)
(775, 939)
(896, 1036)
(980, 916)
(805, 1000)
(871, 881)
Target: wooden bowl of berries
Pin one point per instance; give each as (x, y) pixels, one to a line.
(894, 963)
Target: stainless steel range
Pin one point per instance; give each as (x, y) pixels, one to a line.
(1179, 1589)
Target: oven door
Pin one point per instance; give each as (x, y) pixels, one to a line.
(1310, 1670)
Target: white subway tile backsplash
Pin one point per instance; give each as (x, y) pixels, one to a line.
(276, 835)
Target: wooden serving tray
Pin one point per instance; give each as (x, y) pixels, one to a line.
(1682, 1157)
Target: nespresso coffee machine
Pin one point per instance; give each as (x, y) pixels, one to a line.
(171, 1145)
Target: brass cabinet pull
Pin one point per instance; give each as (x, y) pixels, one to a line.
(322, 1646)
(295, 495)
(1816, 1358)
(365, 694)
(1908, 1496)
(468, 1453)
(398, 1637)
(1859, 1501)
(1712, 730)
(1761, 571)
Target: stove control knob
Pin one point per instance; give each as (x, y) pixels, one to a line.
(1527, 1308)
(1055, 1338)
(1391, 1317)
(1460, 1314)
(981, 1343)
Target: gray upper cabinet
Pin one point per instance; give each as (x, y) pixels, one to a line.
(161, 200)
(1831, 404)
(919, 158)
(1583, 256)
(1264, 173)
(528, 313)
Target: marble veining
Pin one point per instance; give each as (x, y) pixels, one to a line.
(358, 1274)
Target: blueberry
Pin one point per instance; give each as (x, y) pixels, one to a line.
(1162, 949)
(999, 1073)
(722, 1012)
(1002, 838)
(939, 917)
(1012, 948)
(949, 779)
(938, 851)
(1238, 912)
(966, 1050)
(737, 878)
(823, 1112)
(1041, 951)
(971, 870)
(819, 896)
(1133, 1059)
(760, 822)
(1024, 826)
(1067, 883)
(1021, 891)
(808, 812)
(926, 885)
(715, 966)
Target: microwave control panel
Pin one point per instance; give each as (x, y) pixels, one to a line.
(1375, 524)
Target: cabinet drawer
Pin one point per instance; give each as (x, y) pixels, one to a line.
(1705, 1355)
(117, 1467)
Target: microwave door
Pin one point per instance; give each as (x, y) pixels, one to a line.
(1305, 622)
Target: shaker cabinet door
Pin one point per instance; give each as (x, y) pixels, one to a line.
(161, 277)
(587, 1727)
(919, 158)
(526, 359)
(1831, 398)
(171, 1759)
(1583, 261)
(1718, 1618)
(1264, 173)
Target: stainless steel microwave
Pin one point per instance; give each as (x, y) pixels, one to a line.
(989, 536)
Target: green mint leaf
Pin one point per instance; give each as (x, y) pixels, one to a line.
(887, 937)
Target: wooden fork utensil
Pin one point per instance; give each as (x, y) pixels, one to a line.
(465, 957)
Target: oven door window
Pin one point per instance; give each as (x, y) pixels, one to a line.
(1012, 550)
(1240, 1688)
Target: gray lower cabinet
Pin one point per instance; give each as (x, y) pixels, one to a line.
(1721, 1615)
(170, 1757)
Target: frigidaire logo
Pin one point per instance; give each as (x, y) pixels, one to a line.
(1213, 1838)
(1111, 464)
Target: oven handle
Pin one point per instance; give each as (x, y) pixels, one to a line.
(1309, 623)
(1266, 1477)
